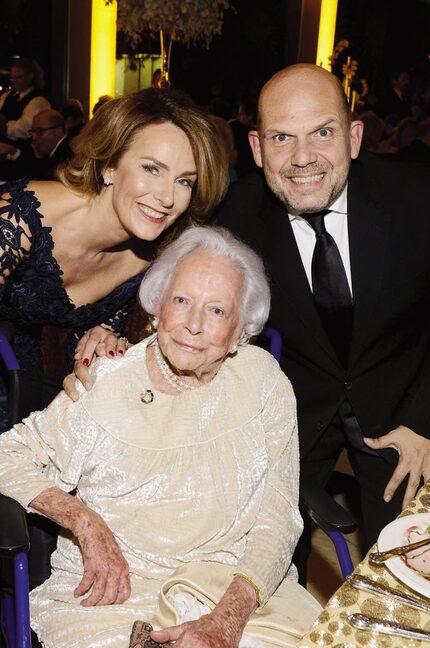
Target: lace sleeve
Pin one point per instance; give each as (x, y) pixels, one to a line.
(116, 323)
(15, 239)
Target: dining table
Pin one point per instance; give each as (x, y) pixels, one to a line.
(333, 626)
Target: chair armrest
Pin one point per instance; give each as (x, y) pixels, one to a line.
(13, 529)
(324, 510)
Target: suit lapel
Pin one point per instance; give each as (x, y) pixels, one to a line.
(368, 230)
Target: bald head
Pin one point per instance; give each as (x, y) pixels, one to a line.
(305, 138)
(49, 117)
(316, 78)
(47, 129)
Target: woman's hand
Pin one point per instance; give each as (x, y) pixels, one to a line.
(96, 342)
(99, 341)
(106, 570)
(206, 632)
(222, 628)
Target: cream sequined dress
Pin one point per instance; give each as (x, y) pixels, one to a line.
(210, 475)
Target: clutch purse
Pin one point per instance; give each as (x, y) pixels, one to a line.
(140, 638)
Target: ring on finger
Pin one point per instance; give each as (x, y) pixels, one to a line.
(124, 339)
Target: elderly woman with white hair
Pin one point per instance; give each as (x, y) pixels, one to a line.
(184, 457)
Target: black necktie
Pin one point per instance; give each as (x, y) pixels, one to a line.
(332, 295)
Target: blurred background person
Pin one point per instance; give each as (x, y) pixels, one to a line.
(227, 139)
(244, 121)
(49, 147)
(373, 132)
(396, 99)
(74, 117)
(156, 79)
(50, 142)
(23, 101)
(101, 101)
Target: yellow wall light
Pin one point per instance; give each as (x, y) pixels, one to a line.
(103, 49)
(326, 33)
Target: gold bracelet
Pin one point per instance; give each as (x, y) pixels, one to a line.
(250, 582)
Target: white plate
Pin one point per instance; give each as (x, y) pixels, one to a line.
(393, 535)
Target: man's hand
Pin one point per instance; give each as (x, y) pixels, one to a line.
(98, 341)
(7, 149)
(414, 458)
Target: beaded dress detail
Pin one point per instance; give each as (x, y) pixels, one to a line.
(34, 295)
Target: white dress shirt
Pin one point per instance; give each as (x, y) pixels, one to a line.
(336, 223)
(19, 128)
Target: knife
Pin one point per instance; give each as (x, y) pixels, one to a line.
(364, 622)
(366, 584)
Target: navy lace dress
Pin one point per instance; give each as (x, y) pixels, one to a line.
(34, 296)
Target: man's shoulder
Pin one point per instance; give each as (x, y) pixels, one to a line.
(390, 175)
(247, 189)
(249, 209)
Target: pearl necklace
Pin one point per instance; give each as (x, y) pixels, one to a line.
(173, 380)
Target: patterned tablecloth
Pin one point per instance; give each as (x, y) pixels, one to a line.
(332, 627)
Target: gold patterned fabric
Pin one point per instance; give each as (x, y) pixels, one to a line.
(210, 475)
(332, 627)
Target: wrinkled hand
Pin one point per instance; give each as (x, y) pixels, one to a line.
(414, 458)
(106, 570)
(96, 342)
(206, 632)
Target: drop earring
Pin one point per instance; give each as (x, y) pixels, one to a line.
(155, 322)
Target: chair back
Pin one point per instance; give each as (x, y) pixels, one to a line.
(318, 504)
(14, 539)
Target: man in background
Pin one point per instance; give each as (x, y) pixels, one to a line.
(49, 147)
(19, 105)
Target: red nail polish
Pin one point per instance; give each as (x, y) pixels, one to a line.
(111, 353)
(85, 362)
(120, 352)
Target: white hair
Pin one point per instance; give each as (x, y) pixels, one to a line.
(255, 298)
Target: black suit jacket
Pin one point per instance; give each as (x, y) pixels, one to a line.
(387, 379)
(29, 166)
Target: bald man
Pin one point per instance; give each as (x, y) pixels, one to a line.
(366, 387)
(49, 147)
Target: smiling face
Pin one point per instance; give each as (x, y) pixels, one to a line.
(199, 314)
(152, 184)
(305, 141)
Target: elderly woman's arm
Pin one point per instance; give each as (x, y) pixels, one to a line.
(39, 462)
(105, 568)
(222, 628)
(273, 538)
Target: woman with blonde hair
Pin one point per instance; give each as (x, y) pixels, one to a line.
(73, 251)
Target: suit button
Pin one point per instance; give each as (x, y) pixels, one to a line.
(320, 425)
(348, 385)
